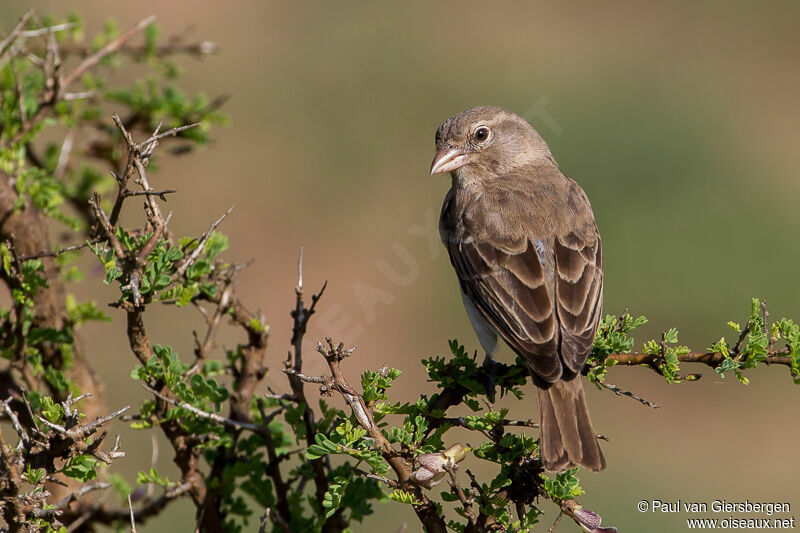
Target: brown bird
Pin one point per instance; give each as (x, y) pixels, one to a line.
(524, 244)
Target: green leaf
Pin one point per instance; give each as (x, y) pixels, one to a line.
(82, 312)
(81, 468)
(402, 496)
(564, 486)
(144, 478)
(333, 497)
(51, 410)
(34, 476)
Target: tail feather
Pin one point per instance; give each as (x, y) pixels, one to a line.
(567, 436)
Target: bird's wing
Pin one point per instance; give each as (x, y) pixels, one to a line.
(511, 292)
(547, 313)
(579, 294)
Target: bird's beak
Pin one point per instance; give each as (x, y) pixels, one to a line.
(448, 159)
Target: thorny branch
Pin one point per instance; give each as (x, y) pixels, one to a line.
(622, 392)
(300, 318)
(58, 85)
(133, 263)
(26, 226)
(256, 428)
(334, 354)
(200, 245)
(250, 368)
(43, 449)
(466, 503)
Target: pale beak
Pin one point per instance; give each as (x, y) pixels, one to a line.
(448, 159)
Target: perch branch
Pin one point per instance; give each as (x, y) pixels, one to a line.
(425, 509)
(712, 359)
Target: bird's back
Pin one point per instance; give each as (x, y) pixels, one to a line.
(532, 202)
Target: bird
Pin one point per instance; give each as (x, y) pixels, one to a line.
(525, 246)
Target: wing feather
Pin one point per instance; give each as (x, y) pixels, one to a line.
(512, 293)
(579, 288)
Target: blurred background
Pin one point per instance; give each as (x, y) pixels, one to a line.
(680, 121)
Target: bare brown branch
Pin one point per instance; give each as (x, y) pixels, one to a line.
(109, 48)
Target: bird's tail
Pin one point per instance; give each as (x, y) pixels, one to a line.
(567, 437)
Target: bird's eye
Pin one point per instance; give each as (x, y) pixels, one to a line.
(481, 133)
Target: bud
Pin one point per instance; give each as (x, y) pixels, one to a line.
(455, 453)
(432, 466)
(590, 521)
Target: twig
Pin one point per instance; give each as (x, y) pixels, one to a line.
(144, 145)
(88, 514)
(27, 403)
(300, 271)
(201, 350)
(70, 401)
(275, 396)
(390, 482)
(112, 46)
(325, 381)
(558, 519)
(23, 437)
(160, 194)
(85, 489)
(765, 316)
(150, 507)
(64, 153)
(153, 212)
(174, 47)
(622, 392)
(300, 317)
(88, 429)
(81, 95)
(44, 31)
(197, 251)
(14, 33)
(278, 519)
(133, 519)
(105, 223)
(57, 253)
(262, 526)
(138, 157)
(461, 421)
(256, 428)
(21, 51)
(737, 348)
(466, 503)
(51, 425)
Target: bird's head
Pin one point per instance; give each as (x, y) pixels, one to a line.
(487, 141)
